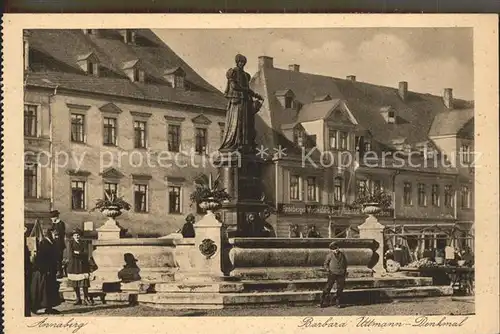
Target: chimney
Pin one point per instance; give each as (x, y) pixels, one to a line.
(294, 67)
(26, 50)
(265, 62)
(403, 90)
(351, 78)
(448, 98)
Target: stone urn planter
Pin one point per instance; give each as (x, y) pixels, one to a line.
(210, 204)
(111, 211)
(371, 208)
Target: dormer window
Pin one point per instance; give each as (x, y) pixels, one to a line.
(389, 114)
(391, 117)
(134, 71)
(175, 76)
(89, 63)
(287, 99)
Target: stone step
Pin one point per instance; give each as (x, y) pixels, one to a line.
(356, 296)
(293, 273)
(287, 285)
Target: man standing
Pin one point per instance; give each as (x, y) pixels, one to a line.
(313, 233)
(60, 227)
(336, 265)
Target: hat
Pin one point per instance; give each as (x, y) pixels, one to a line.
(334, 245)
(129, 257)
(77, 231)
(54, 213)
(240, 57)
(190, 217)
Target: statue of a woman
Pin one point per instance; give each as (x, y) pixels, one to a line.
(239, 131)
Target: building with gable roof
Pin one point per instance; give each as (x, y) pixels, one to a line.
(106, 111)
(344, 138)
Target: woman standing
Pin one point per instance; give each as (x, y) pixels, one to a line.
(44, 284)
(78, 268)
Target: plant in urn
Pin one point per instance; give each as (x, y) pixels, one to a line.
(207, 194)
(111, 207)
(373, 203)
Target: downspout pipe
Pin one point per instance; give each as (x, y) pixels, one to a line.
(51, 139)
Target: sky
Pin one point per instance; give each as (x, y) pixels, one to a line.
(429, 59)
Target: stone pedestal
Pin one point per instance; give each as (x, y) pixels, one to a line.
(372, 229)
(242, 179)
(208, 245)
(109, 231)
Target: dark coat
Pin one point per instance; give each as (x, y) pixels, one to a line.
(61, 230)
(336, 263)
(44, 284)
(27, 279)
(78, 258)
(313, 234)
(188, 230)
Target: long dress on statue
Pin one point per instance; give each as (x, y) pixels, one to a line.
(240, 128)
(44, 284)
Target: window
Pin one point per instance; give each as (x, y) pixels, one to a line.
(77, 195)
(201, 140)
(30, 120)
(448, 196)
(435, 195)
(298, 137)
(311, 141)
(174, 199)
(422, 198)
(178, 81)
(332, 138)
(361, 188)
(294, 188)
(137, 75)
(376, 186)
(465, 197)
(109, 131)
(110, 190)
(288, 102)
(367, 146)
(342, 140)
(465, 154)
(140, 198)
(391, 117)
(407, 193)
(174, 137)
(140, 134)
(30, 180)
(77, 128)
(337, 190)
(90, 67)
(311, 189)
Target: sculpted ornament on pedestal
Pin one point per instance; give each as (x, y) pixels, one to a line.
(239, 131)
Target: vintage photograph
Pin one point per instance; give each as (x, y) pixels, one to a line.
(249, 172)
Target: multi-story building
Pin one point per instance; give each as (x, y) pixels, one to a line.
(344, 138)
(114, 112)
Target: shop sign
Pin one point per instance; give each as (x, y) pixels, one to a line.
(323, 210)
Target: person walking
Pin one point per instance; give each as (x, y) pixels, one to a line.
(27, 276)
(60, 226)
(44, 285)
(336, 265)
(79, 268)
